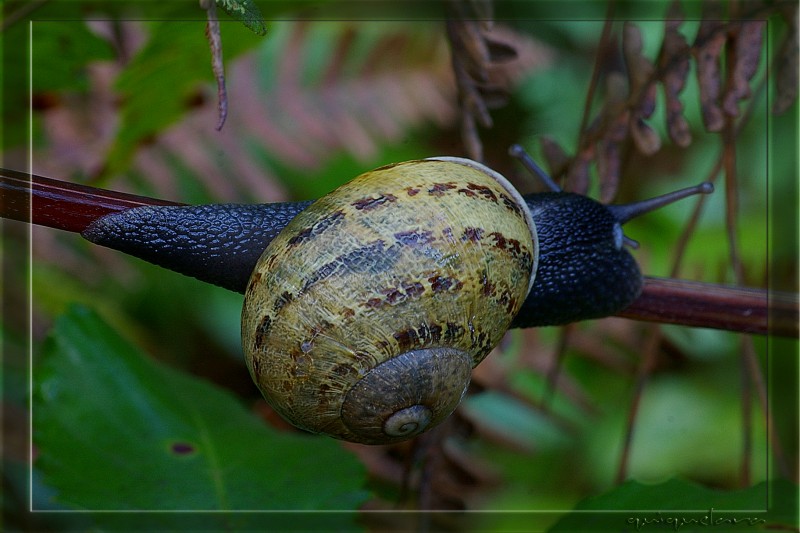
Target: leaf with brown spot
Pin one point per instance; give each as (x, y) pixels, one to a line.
(673, 60)
(746, 54)
(707, 48)
(786, 80)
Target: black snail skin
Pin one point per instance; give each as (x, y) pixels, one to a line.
(366, 310)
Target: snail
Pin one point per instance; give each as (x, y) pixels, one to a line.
(366, 310)
(364, 317)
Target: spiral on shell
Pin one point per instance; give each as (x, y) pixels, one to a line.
(364, 318)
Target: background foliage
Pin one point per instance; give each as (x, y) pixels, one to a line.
(140, 399)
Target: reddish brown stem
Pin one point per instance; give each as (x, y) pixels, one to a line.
(73, 207)
(601, 51)
(707, 305)
(61, 205)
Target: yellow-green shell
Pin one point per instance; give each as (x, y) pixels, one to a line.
(408, 257)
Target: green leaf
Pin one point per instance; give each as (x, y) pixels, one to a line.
(247, 12)
(60, 53)
(162, 82)
(678, 505)
(504, 415)
(115, 430)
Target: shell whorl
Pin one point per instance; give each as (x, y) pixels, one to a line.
(407, 394)
(363, 318)
(408, 421)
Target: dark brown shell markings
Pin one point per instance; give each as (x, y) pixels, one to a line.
(364, 318)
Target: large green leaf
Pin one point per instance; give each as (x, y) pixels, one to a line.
(682, 506)
(115, 430)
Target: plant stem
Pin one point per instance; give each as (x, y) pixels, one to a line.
(72, 207)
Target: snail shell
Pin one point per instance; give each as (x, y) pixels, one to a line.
(365, 316)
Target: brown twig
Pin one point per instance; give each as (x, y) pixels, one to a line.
(642, 376)
(61, 205)
(558, 359)
(598, 131)
(753, 371)
(604, 40)
(214, 37)
(72, 207)
(706, 305)
(786, 317)
(21, 13)
(746, 350)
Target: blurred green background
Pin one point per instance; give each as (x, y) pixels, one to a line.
(140, 398)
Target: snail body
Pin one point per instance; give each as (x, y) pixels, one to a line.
(314, 324)
(366, 311)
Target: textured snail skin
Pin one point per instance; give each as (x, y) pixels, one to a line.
(583, 272)
(364, 317)
(217, 243)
